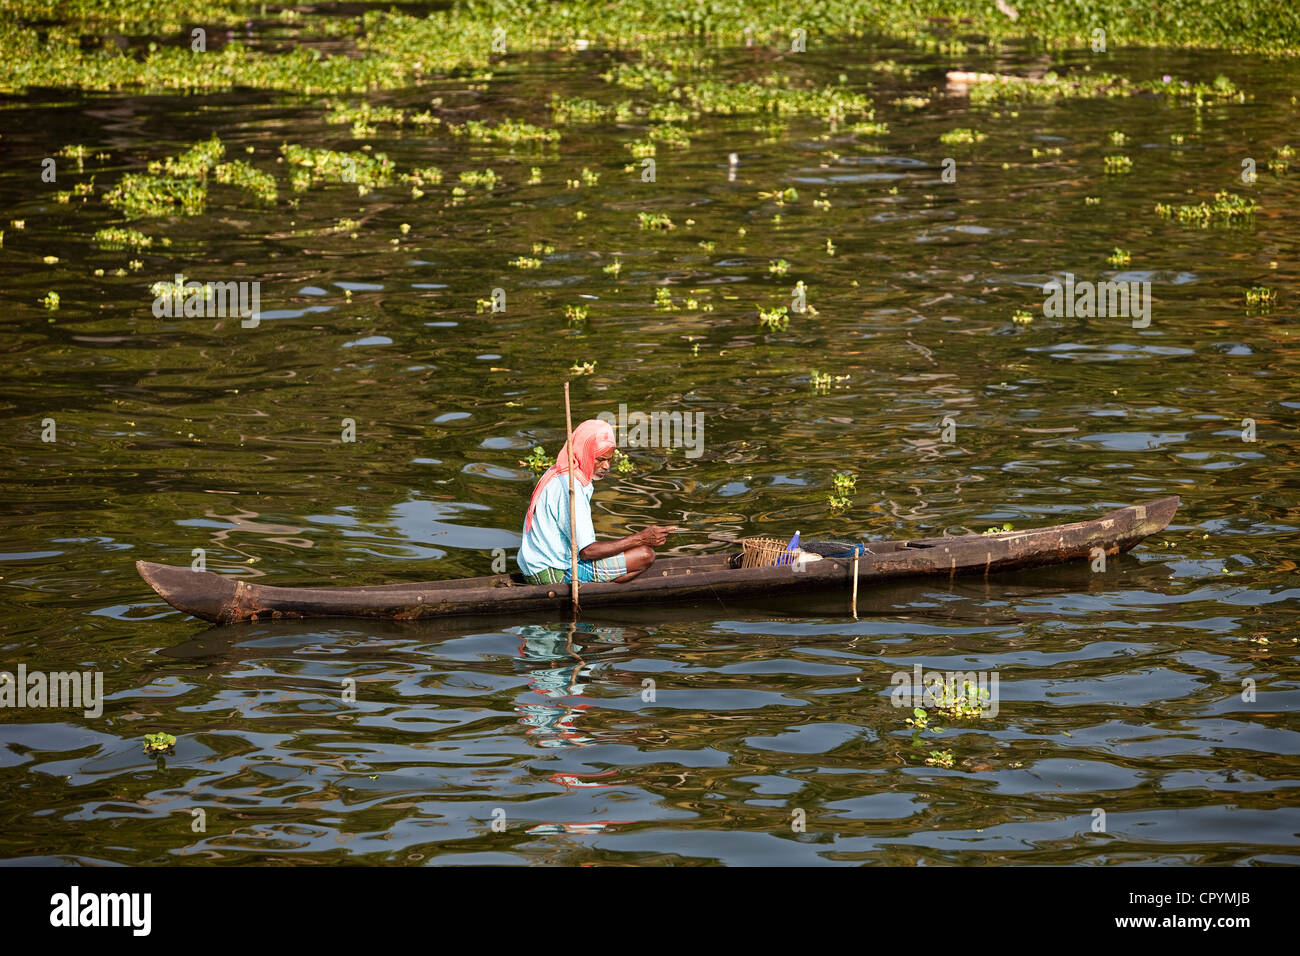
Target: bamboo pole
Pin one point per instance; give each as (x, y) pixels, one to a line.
(573, 520)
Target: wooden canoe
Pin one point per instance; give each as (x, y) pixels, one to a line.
(227, 600)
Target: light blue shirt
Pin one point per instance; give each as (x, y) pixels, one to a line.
(546, 543)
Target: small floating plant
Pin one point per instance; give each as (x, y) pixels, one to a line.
(843, 484)
(159, 743)
(537, 459)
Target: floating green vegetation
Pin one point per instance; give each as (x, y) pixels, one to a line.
(194, 163)
(84, 190)
(1092, 200)
(1119, 257)
(583, 368)
(869, 128)
(640, 148)
(820, 381)
(1037, 151)
(962, 136)
(241, 174)
(588, 178)
(1281, 161)
(363, 114)
(429, 175)
(893, 68)
(965, 703)
(1118, 164)
(781, 196)
(614, 268)
(940, 758)
(1021, 317)
(1116, 138)
(116, 237)
(158, 743)
(1261, 297)
(74, 151)
(664, 300)
(843, 484)
(1227, 208)
(388, 49)
(508, 131)
(537, 459)
(51, 301)
(920, 721)
(365, 117)
(655, 220)
(179, 288)
(139, 195)
(996, 530)
(667, 112)
(775, 319)
(641, 76)
(912, 102)
(1082, 85)
(622, 463)
(673, 136)
(722, 98)
(311, 166)
(178, 184)
(473, 177)
(575, 314)
(778, 267)
(525, 262)
(574, 110)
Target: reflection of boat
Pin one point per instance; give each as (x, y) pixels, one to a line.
(224, 599)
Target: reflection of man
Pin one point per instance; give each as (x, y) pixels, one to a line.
(552, 724)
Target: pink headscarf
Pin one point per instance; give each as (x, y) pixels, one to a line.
(591, 439)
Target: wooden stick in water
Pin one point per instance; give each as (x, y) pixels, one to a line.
(573, 521)
(855, 583)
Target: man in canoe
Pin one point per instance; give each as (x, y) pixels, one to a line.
(544, 553)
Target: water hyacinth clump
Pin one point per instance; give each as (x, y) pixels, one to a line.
(843, 484)
(311, 166)
(1261, 297)
(241, 174)
(1226, 209)
(1052, 87)
(962, 136)
(508, 131)
(116, 237)
(648, 220)
(141, 196)
(774, 320)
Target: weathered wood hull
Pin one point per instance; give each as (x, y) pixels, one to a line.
(226, 600)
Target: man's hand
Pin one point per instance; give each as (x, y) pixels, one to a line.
(655, 535)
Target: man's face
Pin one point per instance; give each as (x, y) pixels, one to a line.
(603, 463)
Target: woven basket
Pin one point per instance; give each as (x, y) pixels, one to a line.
(766, 552)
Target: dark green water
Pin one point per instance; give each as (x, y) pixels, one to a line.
(1120, 690)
